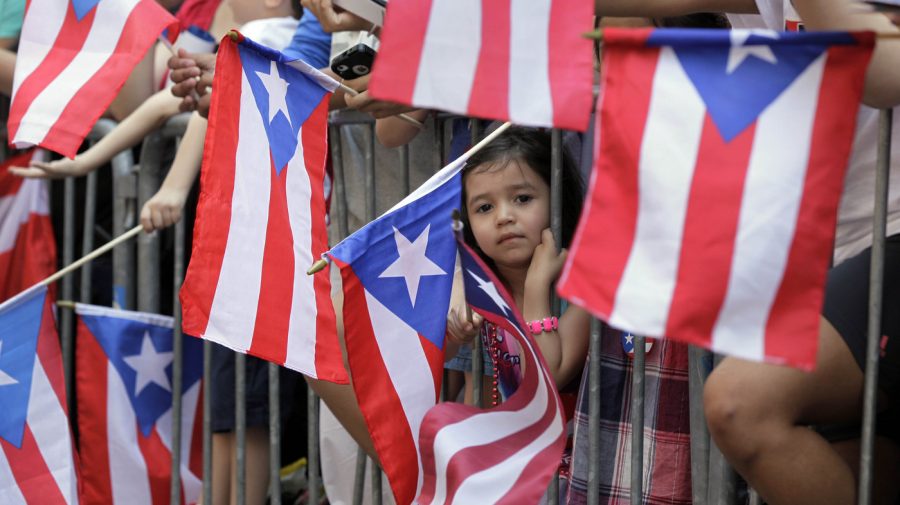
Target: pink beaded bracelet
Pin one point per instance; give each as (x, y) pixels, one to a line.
(547, 324)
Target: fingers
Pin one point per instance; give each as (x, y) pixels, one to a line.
(29, 172)
(157, 216)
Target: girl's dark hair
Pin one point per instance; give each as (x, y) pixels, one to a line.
(532, 146)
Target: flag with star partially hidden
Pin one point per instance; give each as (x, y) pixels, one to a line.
(397, 273)
(261, 214)
(36, 452)
(124, 364)
(719, 168)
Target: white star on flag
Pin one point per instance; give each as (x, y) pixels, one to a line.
(5, 378)
(740, 52)
(150, 366)
(491, 290)
(276, 87)
(412, 264)
(629, 339)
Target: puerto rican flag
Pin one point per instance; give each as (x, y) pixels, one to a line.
(73, 57)
(124, 389)
(27, 246)
(36, 457)
(523, 61)
(502, 455)
(713, 202)
(261, 214)
(397, 274)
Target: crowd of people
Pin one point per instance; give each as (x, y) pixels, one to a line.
(792, 435)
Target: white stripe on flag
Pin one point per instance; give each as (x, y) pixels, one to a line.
(407, 366)
(491, 484)
(96, 51)
(301, 343)
(480, 429)
(772, 194)
(232, 316)
(127, 468)
(15, 210)
(39, 30)
(668, 157)
(50, 427)
(529, 63)
(446, 67)
(9, 488)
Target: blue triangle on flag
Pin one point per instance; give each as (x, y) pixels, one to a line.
(739, 73)
(83, 7)
(20, 325)
(290, 92)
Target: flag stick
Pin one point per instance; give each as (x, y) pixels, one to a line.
(92, 255)
(320, 265)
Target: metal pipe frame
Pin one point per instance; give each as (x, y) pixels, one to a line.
(697, 373)
(637, 420)
(240, 426)
(274, 435)
(876, 288)
(359, 478)
(67, 314)
(312, 444)
(177, 368)
(593, 488)
(148, 244)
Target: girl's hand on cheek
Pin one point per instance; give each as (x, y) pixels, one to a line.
(546, 263)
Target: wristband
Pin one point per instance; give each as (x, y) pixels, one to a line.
(548, 324)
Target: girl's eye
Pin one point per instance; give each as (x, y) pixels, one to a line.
(481, 209)
(524, 198)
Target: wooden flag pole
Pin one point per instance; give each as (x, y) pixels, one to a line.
(320, 265)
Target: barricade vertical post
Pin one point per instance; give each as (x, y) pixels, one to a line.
(359, 479)
(149, 179)
(438, 152)
(477, 344)
(68, 291)
(240, 426)
(274, 435)
(177, 367)
(124, 218)
(312, 444)
(404, 162)
(376, 483)
(697, 372)
(87, 239)
(876, 287)
(637, 420)
(593, 490)
(556, 187)
(207, 421)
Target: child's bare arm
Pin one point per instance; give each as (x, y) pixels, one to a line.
(394, 132)
(165, 207)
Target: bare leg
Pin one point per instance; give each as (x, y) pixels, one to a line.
(758, 416)
(7, 66)
(222, 456)
(887, 464)
(257, 473)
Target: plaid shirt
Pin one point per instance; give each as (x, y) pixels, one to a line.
(667, 449)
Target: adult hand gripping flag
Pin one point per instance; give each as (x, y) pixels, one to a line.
(36, 457)
(397, 273)
(713, 202)
(261, 214)
(524, 62)
(27, 246)
(73, 57)
(506, 454)
(124, 390)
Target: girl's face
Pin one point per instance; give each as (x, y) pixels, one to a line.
(508, 206)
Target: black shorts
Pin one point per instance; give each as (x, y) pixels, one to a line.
(257, 384)
(847, 309)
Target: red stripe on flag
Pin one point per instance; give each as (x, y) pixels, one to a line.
(49, 353)
(159, 464)
(606, 231)
(141, 29)
(68, 42)
(31, 472)
(216, 188)
(378, 400)
(195, 458)
(797, 306)
(490, 86)
(537, 470)
(397, 64)
(273, 312)
(571, 64)
(328, 361)
(91, 389)
(9, 183)
(32, 258)
(710, 228)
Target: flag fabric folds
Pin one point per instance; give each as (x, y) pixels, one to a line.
(518, 61)
(73, 57)
(261, 214)
(36, 456)
(27, 246)
(506, 454)
(124, 363)
(719, 166)
(397, 273)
